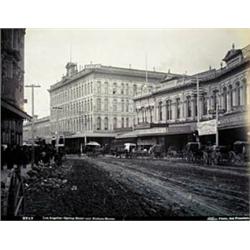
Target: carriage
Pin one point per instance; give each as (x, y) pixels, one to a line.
(93, 149)
(220, 155)
(240, 153)
(156, 150)
(194, 152)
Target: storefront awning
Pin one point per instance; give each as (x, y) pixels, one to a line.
(14, 110)
(90, 134)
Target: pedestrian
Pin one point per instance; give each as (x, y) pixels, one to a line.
(2, 156)
(18, 156)
(9, 157)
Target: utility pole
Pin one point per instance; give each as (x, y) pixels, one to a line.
(198, 98)
(32, 86)
(146, 67)
(216, 119)
(57, 125)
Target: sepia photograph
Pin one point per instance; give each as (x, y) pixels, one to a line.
(125, 124)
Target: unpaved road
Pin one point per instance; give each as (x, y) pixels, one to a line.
(186, 189)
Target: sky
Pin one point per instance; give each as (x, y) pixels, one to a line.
(47, 51)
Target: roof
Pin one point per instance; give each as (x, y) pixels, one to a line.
(231, 54)
(14, 109)
(40, 120)
(98, 68)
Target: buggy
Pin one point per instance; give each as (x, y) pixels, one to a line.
(220, 155)
(240, 153)
(194, 152)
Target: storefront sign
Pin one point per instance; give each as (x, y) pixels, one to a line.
(151, 131)
(180, 129)
(207, 127)
(143, 141)
(232, 120)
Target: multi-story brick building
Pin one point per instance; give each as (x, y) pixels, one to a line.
(168, 115)
(97, 101)
(12, 85)
(41, 130)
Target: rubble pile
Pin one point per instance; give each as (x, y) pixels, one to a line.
(45, 178)
(83, 191)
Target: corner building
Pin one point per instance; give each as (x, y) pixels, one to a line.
(12, 86)
(96, 102)
(168, 115)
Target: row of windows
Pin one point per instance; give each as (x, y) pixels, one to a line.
(74, 125)
(76, 108)
(123, 89)
(227, 100)
(105, 123)
(87, 88)
(85, 123)
(78, 91)
(124, 105)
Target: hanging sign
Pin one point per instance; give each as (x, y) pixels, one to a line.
(207, 127)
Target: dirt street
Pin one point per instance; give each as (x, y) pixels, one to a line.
(108, 187)
(189, 190)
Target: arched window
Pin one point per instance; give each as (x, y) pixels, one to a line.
(189, 112)
(122, 122)
(114, 88)
(151, 114)
(106, 87)
(225, 98)
(195, 105)
(178, 108)
(127, 122)
(88, 88)
(106, 123)
(230, 96)
(115, 105)
(237, 89)
(168, 110)
(115, 123)
(99, 87)
(204, 104)
(99, 104)
(244, 89)
(214, 97)
(160, 111)
(134, 89)
(122, 105)
(106, 104)
(127, 89)
(127, 106)
(122, 88)
(98, 123)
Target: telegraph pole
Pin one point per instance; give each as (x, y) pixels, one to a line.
(57, 125)
(146, 67)
(32, 86)
(216, 119)
(198, 98)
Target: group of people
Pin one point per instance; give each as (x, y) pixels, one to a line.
(15, 155)
(20, 156)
